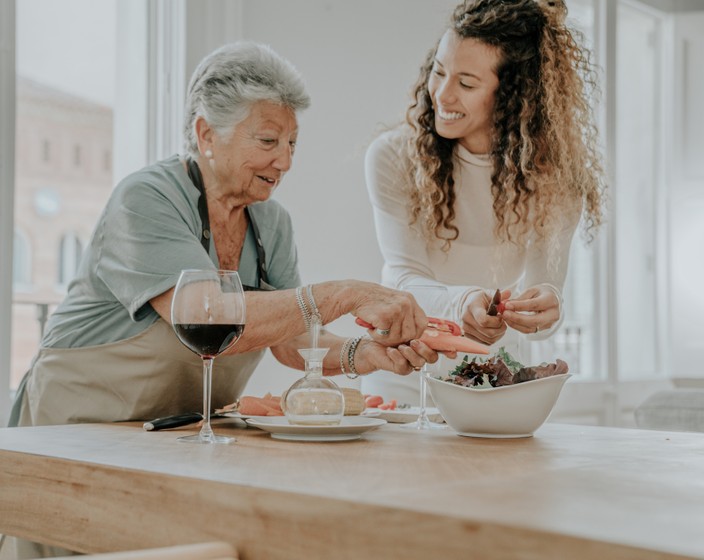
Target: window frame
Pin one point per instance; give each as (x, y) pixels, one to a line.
(7, 194)
(24, 283)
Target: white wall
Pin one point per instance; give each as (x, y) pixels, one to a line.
(686, 199)
(359, 60)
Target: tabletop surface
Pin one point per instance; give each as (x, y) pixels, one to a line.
(617, 487)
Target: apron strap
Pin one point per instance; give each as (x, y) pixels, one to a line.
(195, 175)
(261, 255)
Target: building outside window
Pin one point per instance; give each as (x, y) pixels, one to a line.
(56, 204)
(21, 262)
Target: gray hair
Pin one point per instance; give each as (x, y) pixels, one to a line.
(230, 80)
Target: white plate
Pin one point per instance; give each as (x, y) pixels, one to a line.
(404, 415)
(246, 416)
(351, 427)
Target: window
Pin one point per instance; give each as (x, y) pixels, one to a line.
(638, 150)
(588, 329)
(60, 108)
(576, 341)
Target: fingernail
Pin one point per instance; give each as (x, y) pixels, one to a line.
(414, 343)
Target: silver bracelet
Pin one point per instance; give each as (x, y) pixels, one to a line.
(313, 306)
(343, 354)
(303, 307)
(350, 357)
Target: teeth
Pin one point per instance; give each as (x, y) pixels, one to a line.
(449, 116)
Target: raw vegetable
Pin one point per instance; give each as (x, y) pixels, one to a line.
(496, 307)
(500, 370)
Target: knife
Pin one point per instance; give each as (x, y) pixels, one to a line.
(182, 420)
(173, 421)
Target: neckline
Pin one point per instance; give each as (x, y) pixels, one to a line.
(480, 160)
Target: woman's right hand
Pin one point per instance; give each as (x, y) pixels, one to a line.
(477, 324)
(396, 316)
(404, 359)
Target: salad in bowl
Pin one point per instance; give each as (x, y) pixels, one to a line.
(498, 397)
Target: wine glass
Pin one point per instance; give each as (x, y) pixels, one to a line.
(208, 316)
(435, 301)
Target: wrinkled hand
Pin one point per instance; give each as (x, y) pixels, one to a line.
(396, 316)
(371, 356)
(477, 324)
(536, 309)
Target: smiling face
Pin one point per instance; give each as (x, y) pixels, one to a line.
(250, 164)
(462, 86)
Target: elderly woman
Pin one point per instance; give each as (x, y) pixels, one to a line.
(110, 354)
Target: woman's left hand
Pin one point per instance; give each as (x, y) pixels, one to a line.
(536, 309)
(402, 360)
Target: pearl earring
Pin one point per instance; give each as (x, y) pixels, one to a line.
(211, 160)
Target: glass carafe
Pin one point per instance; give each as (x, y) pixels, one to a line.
(314, 400)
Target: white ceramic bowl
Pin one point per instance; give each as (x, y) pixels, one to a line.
(511, 411)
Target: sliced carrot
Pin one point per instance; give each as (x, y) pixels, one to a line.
(255, 406)
(445, 342)
(389, 405)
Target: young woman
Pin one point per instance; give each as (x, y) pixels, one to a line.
(485, 183)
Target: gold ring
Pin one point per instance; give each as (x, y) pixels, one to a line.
(416, 368)
(537, 328)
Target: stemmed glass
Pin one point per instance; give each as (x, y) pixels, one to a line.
(208, 316)
(434, 300)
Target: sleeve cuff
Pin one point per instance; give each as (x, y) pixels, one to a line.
(459, 309)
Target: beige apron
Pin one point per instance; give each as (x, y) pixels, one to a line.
(144, 377)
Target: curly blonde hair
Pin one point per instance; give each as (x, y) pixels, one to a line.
(544, 145)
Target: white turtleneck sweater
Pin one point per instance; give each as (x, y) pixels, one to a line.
(476, 259)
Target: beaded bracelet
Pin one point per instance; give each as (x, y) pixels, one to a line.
(350, 356)
(303, 307)
(343, 354)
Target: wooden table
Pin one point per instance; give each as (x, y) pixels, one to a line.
(571, 492)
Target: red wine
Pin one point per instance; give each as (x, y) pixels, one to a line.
(208, 340)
